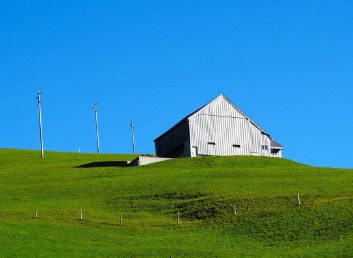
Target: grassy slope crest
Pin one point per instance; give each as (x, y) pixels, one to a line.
(228, 206)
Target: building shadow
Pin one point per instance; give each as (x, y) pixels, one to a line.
(100, 164)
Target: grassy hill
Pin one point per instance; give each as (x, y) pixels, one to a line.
(268, 221)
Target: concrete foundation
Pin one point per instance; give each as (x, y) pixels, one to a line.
(144, 160)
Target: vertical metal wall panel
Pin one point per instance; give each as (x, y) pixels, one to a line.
(173, 142)
(218, 128)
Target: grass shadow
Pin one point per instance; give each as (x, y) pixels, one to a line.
(104, 164)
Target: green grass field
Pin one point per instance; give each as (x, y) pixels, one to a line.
(268, 220)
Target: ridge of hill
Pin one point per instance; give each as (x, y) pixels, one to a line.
(227, 206)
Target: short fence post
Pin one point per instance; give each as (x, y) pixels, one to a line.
(121, 219)
(235, 210)
(36, 213)
(81, 214)
(298, 199)
(178, 217)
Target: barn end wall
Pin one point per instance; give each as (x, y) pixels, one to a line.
(225, 136)
(174, 143)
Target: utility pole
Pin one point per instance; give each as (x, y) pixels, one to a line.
(97, 132)
(40, 124)
(133, 136)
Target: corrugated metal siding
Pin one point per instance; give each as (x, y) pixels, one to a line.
(218, 129)
(174, 139)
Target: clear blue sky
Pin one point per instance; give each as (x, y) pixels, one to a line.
(287, 64)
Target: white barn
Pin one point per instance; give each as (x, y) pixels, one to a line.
(219, 128)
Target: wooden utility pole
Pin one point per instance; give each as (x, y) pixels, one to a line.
(133, 136)
(40, 124)
(97, 131)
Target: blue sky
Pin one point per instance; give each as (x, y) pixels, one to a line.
(287, 64)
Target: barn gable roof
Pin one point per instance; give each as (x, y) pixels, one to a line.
(209, 109)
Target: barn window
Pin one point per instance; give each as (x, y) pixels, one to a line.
(236, 145)
(264, 147)
(211, 143)
(274, 151)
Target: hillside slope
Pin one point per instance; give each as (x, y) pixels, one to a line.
(133, 211)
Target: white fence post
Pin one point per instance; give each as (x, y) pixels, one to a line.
(298, 199)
